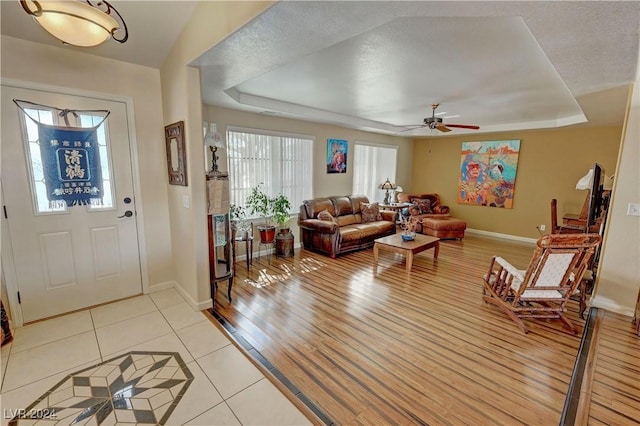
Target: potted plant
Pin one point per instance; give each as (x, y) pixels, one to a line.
(238, 217)
(284, 238)
(280, 207)
(259, 203)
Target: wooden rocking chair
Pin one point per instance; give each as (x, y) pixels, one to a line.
(542, 291)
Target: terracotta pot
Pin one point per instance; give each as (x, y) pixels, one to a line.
(267, 234)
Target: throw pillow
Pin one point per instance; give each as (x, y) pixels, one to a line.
(424, 205)
(414, 210)
(370, 212)
(325, 215)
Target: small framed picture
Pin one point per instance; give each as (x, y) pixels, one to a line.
(337, 150)
(176, 153)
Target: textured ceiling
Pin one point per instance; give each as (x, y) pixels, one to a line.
(380, 65)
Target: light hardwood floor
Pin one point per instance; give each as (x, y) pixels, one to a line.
(382, 346)
(611, 388)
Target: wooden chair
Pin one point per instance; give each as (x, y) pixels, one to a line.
(572, 223)
(542, 290)
(568, 227)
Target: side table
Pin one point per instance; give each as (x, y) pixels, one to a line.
(397, 207)
(247, 238)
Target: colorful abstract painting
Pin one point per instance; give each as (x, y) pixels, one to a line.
(337, 150)
(488, 173)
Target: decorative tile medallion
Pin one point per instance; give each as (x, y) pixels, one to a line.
(137, 387)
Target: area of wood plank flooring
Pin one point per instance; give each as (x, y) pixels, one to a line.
(378, 345)
(611, 389)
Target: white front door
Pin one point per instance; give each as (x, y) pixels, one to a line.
(67, 258)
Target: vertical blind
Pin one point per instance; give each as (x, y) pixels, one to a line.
(281, 162)
(372, 165)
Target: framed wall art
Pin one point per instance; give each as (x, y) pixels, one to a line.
(176, 153)
(488, 173)
(337, 150)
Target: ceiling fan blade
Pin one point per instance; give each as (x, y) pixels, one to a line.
(409, 128)
(464, 126)
(442, 127)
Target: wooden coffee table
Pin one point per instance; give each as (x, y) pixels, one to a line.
(394, 243)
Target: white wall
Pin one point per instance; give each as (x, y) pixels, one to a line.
(56, 66)
(618, 279)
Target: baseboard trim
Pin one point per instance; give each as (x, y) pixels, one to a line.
(154, 288)
(501, 236)
(609, 305)
(198, 306)
(263, 252)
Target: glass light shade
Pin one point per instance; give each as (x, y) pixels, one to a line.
(387, 185)
(78, 24)
(213, 138)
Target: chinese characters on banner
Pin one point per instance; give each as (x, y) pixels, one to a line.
(71, 162)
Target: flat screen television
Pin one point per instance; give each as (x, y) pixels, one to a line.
(595, 195)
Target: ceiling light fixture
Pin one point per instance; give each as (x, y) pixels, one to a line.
(78, 23)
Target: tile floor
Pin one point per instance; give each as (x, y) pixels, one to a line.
(227, 389)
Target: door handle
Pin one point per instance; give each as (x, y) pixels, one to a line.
(128, 213)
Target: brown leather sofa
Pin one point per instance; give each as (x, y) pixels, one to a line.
(436, 220)
(344, 231)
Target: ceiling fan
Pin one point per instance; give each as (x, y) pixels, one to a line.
(434, 122)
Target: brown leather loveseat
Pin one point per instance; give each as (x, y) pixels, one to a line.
(346, 223)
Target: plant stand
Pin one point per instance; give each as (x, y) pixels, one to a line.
(267, 246)
(267, 239)
(284, 243)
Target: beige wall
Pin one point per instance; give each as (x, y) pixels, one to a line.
(619, 273)
(323, 184)
(550, 164)
(37, 63)
(210, 23)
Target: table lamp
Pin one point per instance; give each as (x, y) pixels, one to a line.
(214, 141)
(387, 186)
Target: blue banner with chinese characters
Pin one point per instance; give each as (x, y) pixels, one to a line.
(71, 163)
